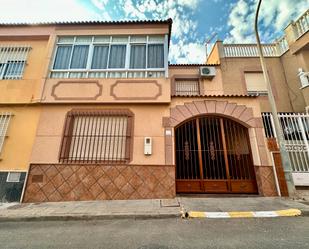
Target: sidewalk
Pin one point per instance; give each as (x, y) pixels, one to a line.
(143, 209)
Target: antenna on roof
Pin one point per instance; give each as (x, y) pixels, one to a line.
(207, 41)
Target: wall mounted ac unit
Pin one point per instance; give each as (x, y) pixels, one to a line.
(207, 71)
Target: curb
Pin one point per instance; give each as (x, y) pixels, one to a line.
(246, 214)
(88, 217)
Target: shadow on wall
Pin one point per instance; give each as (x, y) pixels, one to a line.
(10, 191)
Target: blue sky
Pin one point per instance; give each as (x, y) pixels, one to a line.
(194, 21)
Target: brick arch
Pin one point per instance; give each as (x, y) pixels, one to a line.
(239, 113)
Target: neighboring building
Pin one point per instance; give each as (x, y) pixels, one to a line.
(21, 71)
(288, 67)
(113, 120)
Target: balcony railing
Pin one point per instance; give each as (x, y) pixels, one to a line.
(301, 25)
(250, 50)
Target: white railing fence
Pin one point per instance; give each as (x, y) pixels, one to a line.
(295, 127)
(301, 25)
(249, 50)
(282, 45)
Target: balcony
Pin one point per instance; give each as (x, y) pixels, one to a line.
(250, 50)
(301, 25)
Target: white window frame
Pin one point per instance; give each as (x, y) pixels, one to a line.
(13, 172)
(147, 71)
(4, 116)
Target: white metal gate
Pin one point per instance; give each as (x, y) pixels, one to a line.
(295, 128)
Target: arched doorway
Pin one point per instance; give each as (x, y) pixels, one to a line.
(213, 155)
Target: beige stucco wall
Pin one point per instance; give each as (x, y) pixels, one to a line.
(147, 122)
(21, 131)
(210, 86)
(305, 92)
(234, 82)
(291, 64)
(26, 89)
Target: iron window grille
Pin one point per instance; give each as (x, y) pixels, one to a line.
(110, 57)
(187, 87)
(13, 61)
(97, 137)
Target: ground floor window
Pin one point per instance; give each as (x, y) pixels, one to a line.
(97, 136)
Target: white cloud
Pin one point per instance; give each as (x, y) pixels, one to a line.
(274, 16)
(183, 28)
(99, 3)
(190, 52)
(44, 11)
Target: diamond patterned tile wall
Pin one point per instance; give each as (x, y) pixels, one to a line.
(59, 182)
(266, 181)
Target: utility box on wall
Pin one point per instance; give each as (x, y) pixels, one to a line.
(147, 145)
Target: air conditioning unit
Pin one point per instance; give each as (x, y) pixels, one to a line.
(207, 71)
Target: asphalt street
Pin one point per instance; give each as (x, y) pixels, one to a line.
(284, 232)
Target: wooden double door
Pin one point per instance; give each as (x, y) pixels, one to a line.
(213, 155)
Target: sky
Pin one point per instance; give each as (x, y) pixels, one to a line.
(194, 21)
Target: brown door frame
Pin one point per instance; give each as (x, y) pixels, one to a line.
(227, 185)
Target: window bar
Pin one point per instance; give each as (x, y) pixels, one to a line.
(3, 60)
(90, 137)
(116, 138)
(105, 155)
(119, 152)
(26, 51)
(4, 120)
(14, 64)
(102, 140)
(75, 137)
(98, 138)
(67, 138)
(93, 137)
(82, 136)
(77, 123)
(11, 58)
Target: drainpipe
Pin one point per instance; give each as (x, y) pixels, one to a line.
(280, 138)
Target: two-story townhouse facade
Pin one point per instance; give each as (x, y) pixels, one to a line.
(21, 70)
(118, 122)
(114, 120)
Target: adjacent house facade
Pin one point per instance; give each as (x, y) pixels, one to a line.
(288, 66)
(98, 113)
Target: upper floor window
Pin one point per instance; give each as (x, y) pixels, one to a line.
(187, 87)
(255, 83)
(4, 124)
(110, 57)
(13, 61)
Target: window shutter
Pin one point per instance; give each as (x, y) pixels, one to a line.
(255, 82)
